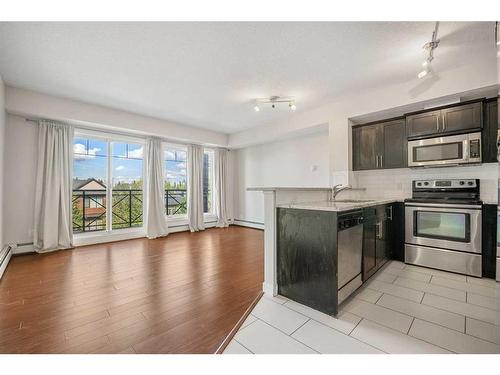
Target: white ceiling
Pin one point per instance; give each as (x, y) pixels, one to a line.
(206, 74)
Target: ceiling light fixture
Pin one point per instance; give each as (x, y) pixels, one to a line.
(429, 47)
(274, 101)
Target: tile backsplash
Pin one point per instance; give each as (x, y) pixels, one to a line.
(396, 183)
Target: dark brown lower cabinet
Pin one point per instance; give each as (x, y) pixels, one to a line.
(377, 238)
(307, 257)
(489, 240)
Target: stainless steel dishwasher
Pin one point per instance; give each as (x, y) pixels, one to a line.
(350, 253)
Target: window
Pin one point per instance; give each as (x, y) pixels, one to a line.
(208, 180)
(107, 171)
(127, 184)
(94, 201)
(175, 180)
(90, 170)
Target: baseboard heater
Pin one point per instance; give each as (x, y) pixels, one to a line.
(5, 255)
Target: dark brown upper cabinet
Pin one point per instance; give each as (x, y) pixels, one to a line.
(489, 134)
(423, 124)
(379, 145)
(448, 120)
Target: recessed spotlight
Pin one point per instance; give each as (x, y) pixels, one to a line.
(292, 106)
(256, 108)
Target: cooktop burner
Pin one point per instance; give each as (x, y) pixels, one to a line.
(449, 191)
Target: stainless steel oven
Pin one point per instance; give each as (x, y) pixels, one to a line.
(442, 151)
(448, 226)
(443, 226)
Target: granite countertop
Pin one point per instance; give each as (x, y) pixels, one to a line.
(288, 188)
(340, 205)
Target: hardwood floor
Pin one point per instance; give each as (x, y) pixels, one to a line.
(180, 294)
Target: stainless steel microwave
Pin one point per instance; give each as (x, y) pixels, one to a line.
(442, 151)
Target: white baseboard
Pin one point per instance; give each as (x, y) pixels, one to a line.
(6, 260)
(98, 238)
(249, 224)
(102, 237)
(23, 249)
(185, 227)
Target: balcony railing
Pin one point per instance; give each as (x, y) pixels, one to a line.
(176, 201)
(89, 208)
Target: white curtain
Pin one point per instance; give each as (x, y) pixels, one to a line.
(195, 187)
(221, 188)
(53, 195)
(156, 218)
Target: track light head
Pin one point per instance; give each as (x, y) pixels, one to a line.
(423, 73)
(274, 102)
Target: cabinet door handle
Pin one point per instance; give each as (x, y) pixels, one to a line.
(444, 125)
(390, 213)
(437, 123)
(378, 231)
(381, 161)
(376, 160)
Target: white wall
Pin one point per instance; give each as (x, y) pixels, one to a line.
(32, 104)
(287, 163)
(2, 151)
(19, 179)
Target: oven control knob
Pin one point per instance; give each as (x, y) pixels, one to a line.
(470, 183)
(426, 183)
(419, 184)
(462, 182)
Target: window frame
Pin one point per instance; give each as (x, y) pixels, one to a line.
(166, 146)
(109, 138)
(211, 151)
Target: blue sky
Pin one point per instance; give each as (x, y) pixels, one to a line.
(90, 160)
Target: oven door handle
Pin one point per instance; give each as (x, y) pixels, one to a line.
(463, 207)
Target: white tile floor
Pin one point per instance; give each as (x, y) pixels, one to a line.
(402, 309)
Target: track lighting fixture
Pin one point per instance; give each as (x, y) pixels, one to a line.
(274, 102)
(430, 47)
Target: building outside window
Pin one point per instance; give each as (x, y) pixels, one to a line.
(96, 162)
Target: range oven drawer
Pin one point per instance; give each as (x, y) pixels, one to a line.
(447, 260)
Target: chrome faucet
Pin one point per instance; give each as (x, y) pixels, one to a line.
(337, 189)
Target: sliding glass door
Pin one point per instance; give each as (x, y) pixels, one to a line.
(127, 185)
(107, 183)
(90, 181)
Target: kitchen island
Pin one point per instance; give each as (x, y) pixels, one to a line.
(303, 234)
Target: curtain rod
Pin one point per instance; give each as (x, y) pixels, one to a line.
(123, 133)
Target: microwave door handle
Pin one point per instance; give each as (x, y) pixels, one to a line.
(466, 154)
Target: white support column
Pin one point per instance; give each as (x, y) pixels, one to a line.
(270, 285)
